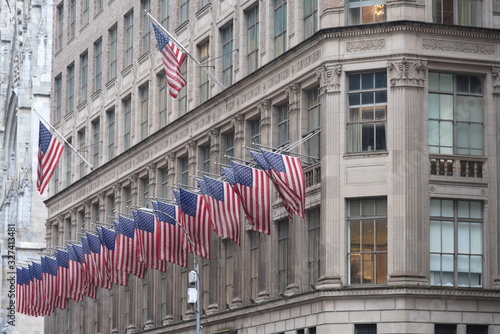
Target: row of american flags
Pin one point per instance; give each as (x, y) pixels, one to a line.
(166, 232)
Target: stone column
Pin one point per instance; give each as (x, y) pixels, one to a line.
(493, 231)
(332, 240)
(408, 206)
(173, 290)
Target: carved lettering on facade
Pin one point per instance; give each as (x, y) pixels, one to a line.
(309, 60)
(458, 46)
(365, 45)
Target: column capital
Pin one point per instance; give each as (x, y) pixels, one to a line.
(293, 92)
(264, 107)
(329, 78)
(171, 156)
(409, 73)
(495, 76)
(214, 133)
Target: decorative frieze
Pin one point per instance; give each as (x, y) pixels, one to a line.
(365, 45)
(458, 46)
(407, 73)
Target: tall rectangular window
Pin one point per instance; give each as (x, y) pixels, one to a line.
(228, 142)
(184, 9)
(445, 329)
(60, 26)
(98, 6)
(254, 263)
(204, 154)
(227, 55)
(144, 93)
(127, 200)
(127, 117)
(184, 172)
(367, 241)
(182, 96)
(283, 125)
(72, 19)
(460, 12)
(310, 17)
(85, 12)
(71, 88)
(83, 151)
(313, 243)
(456, 244)
(456, 120)
(313, 122)
(113, 52)
(96, 134)
(367, 11)
(254, 126)
(280, 26)
(110, 114)
(229, 261)
(367, 112)
(146, 26)
(163, 97)
(204, 3)
(129, 39)
(69, 167)
(58, 98)
(164, 13)
(84, 61)
(283, 241)
(98, 65)
(144, 196)
(164, 191)
(252, 38)
(204, 83)
(164, 283)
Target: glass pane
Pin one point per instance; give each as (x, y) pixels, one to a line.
(435, 278)
(367, 81)
(463, 263)
(354, 99)
(475, 85)
(463, 279)
(433, 81)
(446, 133)
(368, 236)
(368, 207)
(447, 279)
(447, 237)
(367, 114)
(355, 268)
(463, 139)
(381, 97)
(476, 136)
(381, 235)
(463, 209)
(367, 98)
(435, 237)
(446, 106)
(368, 267)
(475, 280)
(434, 133)
(354, 82)
(354, 208)
(463, 83)
(381, 274)
(381, 79)
(355, 238)
(355, 15)
(476, 238)
(476, 210)
(435, 208)
(435, 262)
(463, 238)
(381, 207)
(434, 106)
(447, 208)
(446, 82)
(447, 263)
(476, 264)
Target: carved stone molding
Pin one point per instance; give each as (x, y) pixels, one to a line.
(171, 156)
(237, 122)
(151, 167)
(264, 107)
(495, 74)
(458, 46)
(214, 134)
(365, 45)
(329, 78)
(407, 73)
(293, 92)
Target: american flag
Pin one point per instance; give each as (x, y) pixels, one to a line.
(49, 272)
(34, 290)
(101, 277)
(225, 205)
(21, 290)
(89, 265)
(252, 185)
(118, 276)
(289, 176)
(126, 248)
(169, 234)
(63, 287)
(172, 58)
(89, 288)
(49, 153)
(76, 274)
(145, 222)
(195, 217)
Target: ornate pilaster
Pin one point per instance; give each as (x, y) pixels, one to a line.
(152, 178)
(134, 188)
(74, 228)
(238, 123)
(293, 92)
(102, 206)
(493, 170)
(332, 258)
(409, 174)
(86, 218)
(264, 107)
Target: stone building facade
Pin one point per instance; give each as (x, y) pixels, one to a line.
(401, 230)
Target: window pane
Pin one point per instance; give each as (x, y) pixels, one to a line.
(434, 106)
(433, 81)
(463, 238)
(476, 210)
(435, 234)
(476, 238)
(446, 106)
(435, 209)
(435, 262)
(446, 133)
(446, 82)
(447, 237)
(447, 208)
(447, 263)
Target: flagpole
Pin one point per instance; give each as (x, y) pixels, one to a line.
(186, 51)
(64, 139)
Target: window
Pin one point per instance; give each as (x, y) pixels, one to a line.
(69, 168)
(310, 17)
(113, 52)
(282, 255)
(456, 243)
(60, 26)
(367, 11)
(367, 238)
(254, 263)
(184, 11)
(98, 6)
(365, 329)
(204, 3)
(254, 125)
(164, 191)
(56, 179)
(71, 88)
(184, 172)
(85, 15)
(127, 113)
(146, 26)
(313, 123)
(204, 154)
(280, 26)
(164, 10)
(144, 93)
(82, 150)
(204, 84)
(58, 97)
(163, 294)
(84, 60)
(229, 270)
(228, 139)
(445, 329)
(461, 12)
(253, 38)
(72, 19)
(182, 96)
(127, 199)
(110, 114)
(367, 112)
(455, 114)
(477, 329)
(144, 197)
(283, 126)
(98, 65)
(96, 125)
(227, 55)
(163, 96)
(129, 39)
(313, 242)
